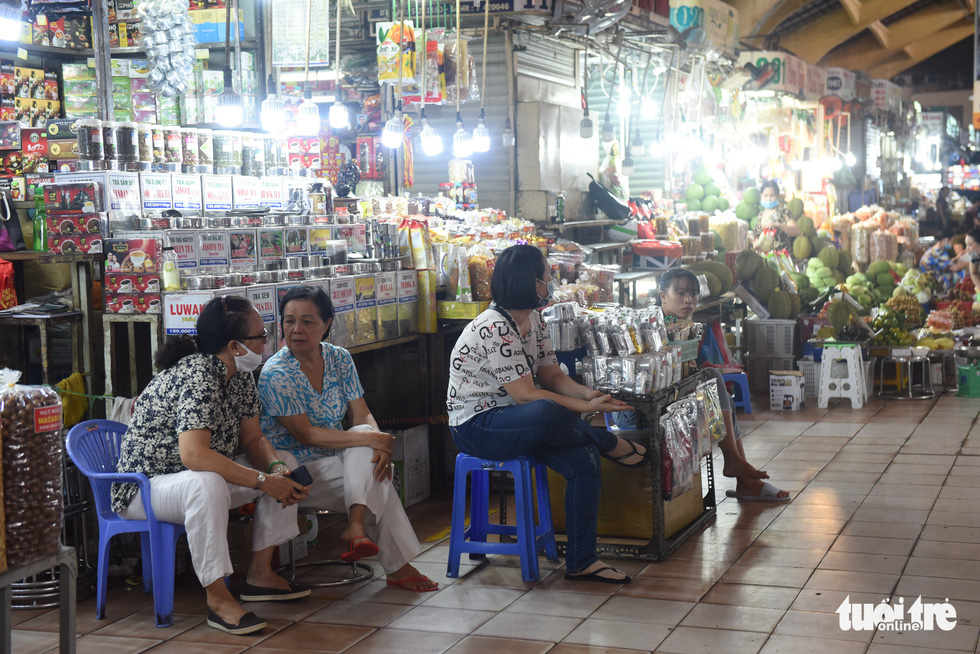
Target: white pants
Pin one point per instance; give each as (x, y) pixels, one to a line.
(201, 501)
(348, 478)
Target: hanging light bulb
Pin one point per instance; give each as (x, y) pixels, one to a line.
(462, 142)
(637, 147)
(585, 127)
(507, 137)
(339, 115)
(229, 112)
(481, 135)
(850, 159)
(308, 115)
(394, 131)
(628, 165)
(272, 115)
(431, 141)
(608, 131)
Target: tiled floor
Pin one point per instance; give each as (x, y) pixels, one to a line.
(884, 506)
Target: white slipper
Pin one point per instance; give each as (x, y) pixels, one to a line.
(769, 493)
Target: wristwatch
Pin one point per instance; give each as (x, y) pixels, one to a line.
(259, 481)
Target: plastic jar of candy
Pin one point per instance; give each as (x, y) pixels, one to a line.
(173, 146)
(159, 145)
(145, 138)
(189, 148)
(110, 139)
(222, 143)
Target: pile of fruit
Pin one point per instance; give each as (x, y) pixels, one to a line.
(703, 194)
(845, 323)
(889, 329)
(964, 291)
(908, 307)
(828, 268)
(762, 277)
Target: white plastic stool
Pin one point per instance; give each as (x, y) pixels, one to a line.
(851, 384)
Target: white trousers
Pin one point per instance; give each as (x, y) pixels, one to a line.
(201, 501)
(348, 478)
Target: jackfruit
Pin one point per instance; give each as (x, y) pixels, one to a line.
(719, 270)
(779, 305)
(846, 264)
(839, 313)
(752, 196)
(829, 256)
(876, 268)
(795, 207)
(838, 276)
(825, 332)
(801, 248)
(747, 264)
(806, 227)
(816, 244)
(764, 283)
(795, 305)
(714, 286)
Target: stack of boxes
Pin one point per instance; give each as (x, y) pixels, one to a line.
(131, 98)
(200, 103)
(124, 28)
(28, 95)
(208, 18)
(58, 31)
(132, 278)
(75, 221)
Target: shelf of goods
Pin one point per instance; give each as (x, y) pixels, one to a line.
(635, 522)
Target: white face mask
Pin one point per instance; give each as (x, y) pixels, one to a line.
(248, 361)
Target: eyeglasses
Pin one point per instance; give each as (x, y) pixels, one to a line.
(264, 336)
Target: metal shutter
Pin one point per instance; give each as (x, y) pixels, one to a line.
(492, 169)
(548, 59)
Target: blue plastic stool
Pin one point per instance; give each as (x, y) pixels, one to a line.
(95, 446)
(741, 399)
(531, 537)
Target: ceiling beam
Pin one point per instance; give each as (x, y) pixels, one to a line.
(758, 18)
(814, 40)
(868, 51)
(922, 50)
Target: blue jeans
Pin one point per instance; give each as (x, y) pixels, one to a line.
(562, 441)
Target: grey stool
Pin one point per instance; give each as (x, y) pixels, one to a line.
(920, 391)
(356, 571)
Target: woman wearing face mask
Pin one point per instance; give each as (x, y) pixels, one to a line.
(774, 220)
(306, 390)
(187, 430)
(508, 397)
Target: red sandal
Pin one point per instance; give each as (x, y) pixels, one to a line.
(360, 548)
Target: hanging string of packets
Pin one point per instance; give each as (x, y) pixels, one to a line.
(688, 427)
(629, 350)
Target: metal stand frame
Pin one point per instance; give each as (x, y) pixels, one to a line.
(358, 571)
(67, 564)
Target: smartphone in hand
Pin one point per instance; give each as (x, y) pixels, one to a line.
(301, 476)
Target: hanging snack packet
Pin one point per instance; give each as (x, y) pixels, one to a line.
(480, 263)
(396, 40)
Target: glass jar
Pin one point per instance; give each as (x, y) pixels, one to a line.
(189, 146)
(145, 138)
(110, 139)
(127, 142)
(159, 145)
(236, 149)
(249, 162)
(205, 148)
(173, 146)
(91, 146)
(270, 147)
(222, 149)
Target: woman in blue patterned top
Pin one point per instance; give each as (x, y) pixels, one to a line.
(195, 433)
(306, 389)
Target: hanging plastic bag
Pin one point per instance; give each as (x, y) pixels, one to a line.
(480, 263)
(8, 291)
(396, 40)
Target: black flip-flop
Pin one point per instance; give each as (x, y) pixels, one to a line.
(249, 624)
(634, 452)
(252, 593)
(595, 576)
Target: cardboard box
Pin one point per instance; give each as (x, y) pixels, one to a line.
(180, 311)
(132, 255)
(786, 390)
(77, 224)
(410, 461)
(134, 303)
(73, 197)
(342, 296)
(85, 244)
(118, 191)
(129, 284)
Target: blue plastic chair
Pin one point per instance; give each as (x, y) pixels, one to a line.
(94, 446)
(741, 399)
(531, 537)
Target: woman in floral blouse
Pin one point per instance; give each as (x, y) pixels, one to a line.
(195, 433)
